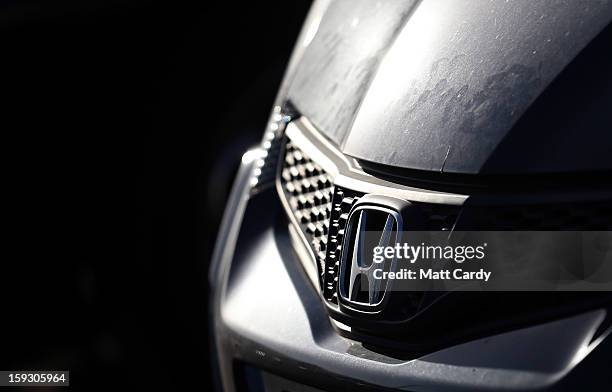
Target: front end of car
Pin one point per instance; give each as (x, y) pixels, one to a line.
(283, 314)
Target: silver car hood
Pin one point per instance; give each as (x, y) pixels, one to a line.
(441, 85)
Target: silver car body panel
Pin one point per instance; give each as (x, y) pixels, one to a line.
(437, 85)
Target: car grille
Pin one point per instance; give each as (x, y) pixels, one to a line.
(321, 211)
(318, 210)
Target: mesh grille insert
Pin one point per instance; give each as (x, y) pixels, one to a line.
(308, 190)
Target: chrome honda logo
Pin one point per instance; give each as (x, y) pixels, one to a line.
(367, 227)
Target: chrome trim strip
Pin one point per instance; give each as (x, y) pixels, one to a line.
(346, 172)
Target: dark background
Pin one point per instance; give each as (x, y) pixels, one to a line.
(122, 126)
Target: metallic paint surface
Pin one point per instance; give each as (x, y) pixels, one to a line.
(437, 85)
(341, 58)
